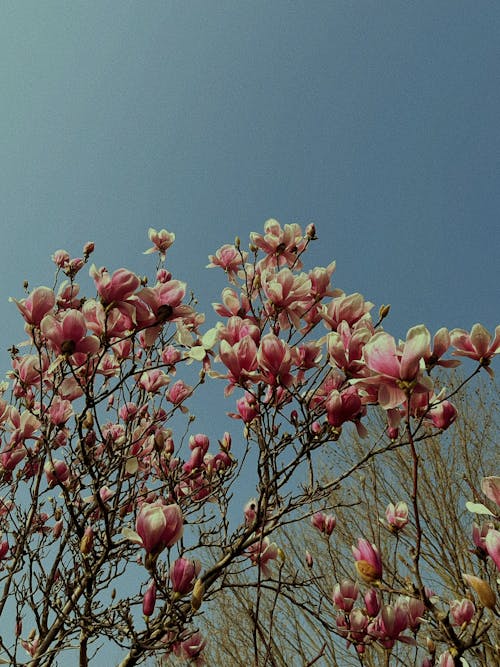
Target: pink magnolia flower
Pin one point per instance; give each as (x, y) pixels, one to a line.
(372, 602)
(178, 392)
(149, 599)
(441, 344)
(477, 344)
(325, 523)
(60, 411)
(118, 287)
(153, 380)
(275, 361)
(397, 515)
(492, 544)
(157, 526)
(240, 360)
(191, 649)
(67, 334)
(352, 309)
(161, 240)
(368, 562)
(183, 574)
(261, 552)
(345, 595)
(56, 471)
(230, 259)
(462, 611)
(37, 305)
(281, 246)
(232, 304)
(397, 369)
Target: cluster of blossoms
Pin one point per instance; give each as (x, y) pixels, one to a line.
(88, 434)
(274, 303)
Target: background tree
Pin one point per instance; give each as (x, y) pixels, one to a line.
(302, 624)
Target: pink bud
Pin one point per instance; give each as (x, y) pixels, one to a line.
(159, 526)
(372, 602)
(309, 560)
(149, 600)
(397, 515)
(183, 574)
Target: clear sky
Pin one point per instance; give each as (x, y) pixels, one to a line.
(377, 121)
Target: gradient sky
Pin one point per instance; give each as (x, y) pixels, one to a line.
(377, 121)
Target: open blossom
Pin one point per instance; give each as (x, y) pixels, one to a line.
(261, 552)
(397, 515)
(161, 240)
(117, 287)
(477, 344)
(368, 563)
(229, 258)
(281, 246)
(37, 305)
(67, 334)
(397, 368)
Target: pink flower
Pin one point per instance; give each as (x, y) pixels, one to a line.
(397, 515)
(178, 392)
(492, 544)
(67, 334)
(397, 369)
(325, 523)
(477, 345)
(368, 563)
(345, 595)
(161, 240)
(443, 414)
(149, 600)
(462, 611)
(158, 526)
(183, 574)
(275, 361)
(281, 246)
(230, 259)
(57, 472)
(37, 305)
(261, 552)
(240, 359)
(118, 287)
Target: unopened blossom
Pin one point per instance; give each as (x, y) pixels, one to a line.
(149, 599)
(345, 595)
(161, 240)
(397, 515)
(367, 561)
(61, 258)
(478, 344)
(250, 511)
(462, 611)
(178, 392)
(492, 544)
(325, 523)
(443, 414)
(157, 526)
(372, 602)
(183, 573)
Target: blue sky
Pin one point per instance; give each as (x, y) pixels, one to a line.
(377, 121)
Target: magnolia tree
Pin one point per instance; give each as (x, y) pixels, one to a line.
(119, 525)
